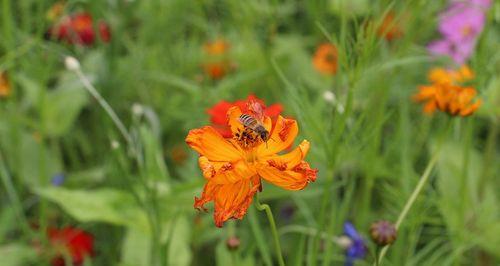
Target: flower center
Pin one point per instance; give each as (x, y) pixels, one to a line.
(466, 31)
(247, 138)
(330, 58)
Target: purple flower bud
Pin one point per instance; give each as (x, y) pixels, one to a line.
(383, 233)
(233, 243)
(58, 179)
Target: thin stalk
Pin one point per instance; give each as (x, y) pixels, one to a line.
(409, 203)
(309, 231)
(377, 252)
(488, 157)
(270, 218)
(111, 113)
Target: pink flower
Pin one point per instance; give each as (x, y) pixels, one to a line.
(460, 26)
(462, 22)
(458, 52)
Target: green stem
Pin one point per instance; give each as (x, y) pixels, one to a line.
(267, 209)
(13, 196)
(420, 185)
(409, 203)
(488, 157)
(111, 113)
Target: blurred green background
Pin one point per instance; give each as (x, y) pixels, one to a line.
(371, 144)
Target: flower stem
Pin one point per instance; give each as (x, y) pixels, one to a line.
(267, 209)
(111, 113)
(409, 203)
(377, 252)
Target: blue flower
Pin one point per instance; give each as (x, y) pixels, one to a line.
(357, 249)
(58, 179)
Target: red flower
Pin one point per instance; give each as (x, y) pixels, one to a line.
(79, 28)
(218, 112)
(70, 241)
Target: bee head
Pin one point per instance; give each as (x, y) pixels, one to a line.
(264, 135)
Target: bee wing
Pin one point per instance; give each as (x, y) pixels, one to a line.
(256, 110)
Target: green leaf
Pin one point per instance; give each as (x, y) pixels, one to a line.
(100, 205)
(471, 218)
(62, 107)
(154, 163)
(16, 255)
(222, 255)
(179, 251)
(31, 160)
(136, 249)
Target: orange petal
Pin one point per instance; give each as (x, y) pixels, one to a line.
(225, 172)
(464, 74)
(294, 179)
(430, 107)
(233, 115)
(231, 200)
(290, 160)
(208, 142)
(282, 136)
(425, 92)
(470, 109)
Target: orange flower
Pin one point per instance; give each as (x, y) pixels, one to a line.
(233, 168)
(216, 70)
(217, 66)
(389, 28)
(4, 85)
(217, 47)
(325, 59)
(446, 94)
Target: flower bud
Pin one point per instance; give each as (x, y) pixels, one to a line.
(115, 144)
(137, 109)
(329, 96)
(383, 233)
(233, 243)
(71, 63)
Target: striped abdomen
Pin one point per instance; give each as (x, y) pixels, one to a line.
(250, 122)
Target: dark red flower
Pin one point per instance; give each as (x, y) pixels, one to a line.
(218, 112)
(71, 241)
(79, 28)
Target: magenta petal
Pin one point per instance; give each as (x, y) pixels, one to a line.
(485, 4)
(440, 47)
(462, 51)
(461, 22)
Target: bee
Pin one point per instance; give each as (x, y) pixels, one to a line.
(256, 126)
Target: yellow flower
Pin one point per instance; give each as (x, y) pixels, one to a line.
(233, 167)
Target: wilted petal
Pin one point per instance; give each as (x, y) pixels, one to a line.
(290, 160)
(295, 178)
(231, 200)
(282, 136)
